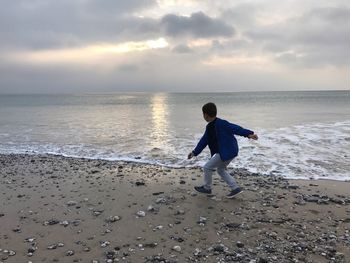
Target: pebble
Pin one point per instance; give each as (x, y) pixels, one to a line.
(150, 245)
(71, 203)
(112, 219)
(17, 230)
(76, 222)
(161, 200)
(32, 249)
(239, 244)
(153, 209)
(177, 248)
(141, 213)
(104, 243)
(202, 220)
(110, 254)
(219, 248)
(157, 193)
(51, 222)
(64, 223)
(97, 212)
(51, 247)
(197, 252)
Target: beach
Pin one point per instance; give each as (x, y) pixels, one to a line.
(60, 209)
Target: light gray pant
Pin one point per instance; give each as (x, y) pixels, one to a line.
(215, 163)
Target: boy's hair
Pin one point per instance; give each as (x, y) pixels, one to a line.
(210, 109)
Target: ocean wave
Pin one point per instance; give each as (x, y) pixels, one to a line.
(313, 151)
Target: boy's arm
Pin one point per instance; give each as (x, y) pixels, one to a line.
(203, 142)
(238, 130)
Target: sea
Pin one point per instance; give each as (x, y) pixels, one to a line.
(302, 134)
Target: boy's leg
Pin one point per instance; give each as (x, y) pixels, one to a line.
(222, 171)
(209, 168)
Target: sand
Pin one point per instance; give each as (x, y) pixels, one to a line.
(58, 209)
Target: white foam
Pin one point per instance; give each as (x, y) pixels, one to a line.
(318, 151)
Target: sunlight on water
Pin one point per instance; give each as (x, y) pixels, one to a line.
(160, 122)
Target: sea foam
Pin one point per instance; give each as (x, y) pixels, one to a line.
(313, 151)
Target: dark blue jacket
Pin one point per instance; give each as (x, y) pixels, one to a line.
(225, 134)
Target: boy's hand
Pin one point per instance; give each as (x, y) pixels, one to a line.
(190, 155)
(253, 136)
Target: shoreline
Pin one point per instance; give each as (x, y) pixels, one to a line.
(139, 161)
(65, 209)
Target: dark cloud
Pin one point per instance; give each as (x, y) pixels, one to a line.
(198, 25)
(182, 49)
(48, 24)
(44, 24)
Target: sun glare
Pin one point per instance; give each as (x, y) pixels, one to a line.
(131, 46)
(217, 61)
(89, 53)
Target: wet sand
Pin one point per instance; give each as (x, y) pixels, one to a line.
(57, 209)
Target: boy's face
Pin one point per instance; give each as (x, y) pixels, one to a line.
(206, 117)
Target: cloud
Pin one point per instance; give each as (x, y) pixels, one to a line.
(128, 67)
(45, 24)
(339, 14)
(115, 7)
(242, 15)
(198, 25)
(121, 45)
(41, 24)
(316, 38)
(182, 48)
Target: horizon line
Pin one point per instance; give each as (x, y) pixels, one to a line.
(166, 92)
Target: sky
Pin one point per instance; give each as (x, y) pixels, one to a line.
(69, 46)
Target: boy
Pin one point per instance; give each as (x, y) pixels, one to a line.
(219, 135)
